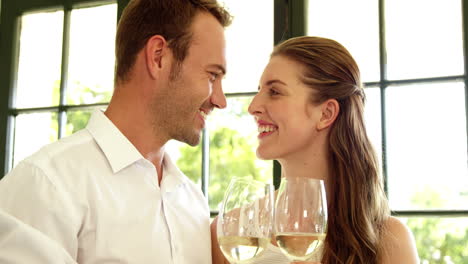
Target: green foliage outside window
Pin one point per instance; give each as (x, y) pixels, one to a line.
(231, 155)
(81, 94)
(439, 240)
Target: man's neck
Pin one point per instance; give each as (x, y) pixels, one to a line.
(127, 113)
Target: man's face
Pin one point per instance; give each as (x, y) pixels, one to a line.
(196, 89)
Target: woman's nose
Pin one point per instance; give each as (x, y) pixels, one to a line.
(255, 105)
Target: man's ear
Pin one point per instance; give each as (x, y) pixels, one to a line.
(155, 49)
(330, 110)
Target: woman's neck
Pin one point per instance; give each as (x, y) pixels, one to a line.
(314, 167)
(310, 165)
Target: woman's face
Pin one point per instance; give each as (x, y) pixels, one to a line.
(286, 118)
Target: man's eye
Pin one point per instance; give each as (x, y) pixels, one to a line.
(213, 76)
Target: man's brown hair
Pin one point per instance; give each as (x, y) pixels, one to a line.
(142, 19)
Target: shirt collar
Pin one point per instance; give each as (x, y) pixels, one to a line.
(119, 151)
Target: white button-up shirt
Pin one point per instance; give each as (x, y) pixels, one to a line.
(99, 198)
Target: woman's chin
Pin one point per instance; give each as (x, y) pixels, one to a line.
(264, 155)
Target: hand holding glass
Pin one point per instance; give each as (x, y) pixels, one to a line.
(300, 217)
(245, 220)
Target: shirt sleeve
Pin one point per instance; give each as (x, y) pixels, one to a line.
(20, 243)
(30, 196)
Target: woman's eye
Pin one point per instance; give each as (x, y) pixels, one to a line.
(273, 92)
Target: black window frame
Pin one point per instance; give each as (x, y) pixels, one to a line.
(290, 20)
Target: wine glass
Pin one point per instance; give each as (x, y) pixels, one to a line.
(245, 221)
(301, 218)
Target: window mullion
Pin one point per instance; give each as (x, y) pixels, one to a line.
(383, 87)
(205, 173)
(298, 10)
(465, 57)
(62, 115)
(434, 213)
(281, 30)
(9, 27)
(121, 4)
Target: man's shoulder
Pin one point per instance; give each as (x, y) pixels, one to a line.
(74, 147)
(62, 165)
(62, 160)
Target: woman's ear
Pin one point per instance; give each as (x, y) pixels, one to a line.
(330, 110)
(155, 49)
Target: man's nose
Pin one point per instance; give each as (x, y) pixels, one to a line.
(218, 99)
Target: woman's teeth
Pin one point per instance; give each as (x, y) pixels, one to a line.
(266, 128)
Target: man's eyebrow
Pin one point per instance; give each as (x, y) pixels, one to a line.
(220, 67)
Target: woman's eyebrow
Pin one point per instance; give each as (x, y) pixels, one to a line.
(270, 82)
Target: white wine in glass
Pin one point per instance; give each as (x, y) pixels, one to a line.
(245, 220)
(301, 218)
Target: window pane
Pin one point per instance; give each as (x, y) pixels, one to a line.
(355, 24)
(424, 38)
(233, 143)
(44, 127)
(440, 240)
(91, 55)
(40, 55)
(77, 120)
(187, 158)
(248, 44)
(372, 115)
(426, 150)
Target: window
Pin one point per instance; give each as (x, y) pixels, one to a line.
(411, 55)
(65, 67)
(412, 66)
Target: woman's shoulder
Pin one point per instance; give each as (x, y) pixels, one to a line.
(398, 245)
(395, 226)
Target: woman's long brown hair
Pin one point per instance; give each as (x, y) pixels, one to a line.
(358, 206)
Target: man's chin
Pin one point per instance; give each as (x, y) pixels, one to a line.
(192, 140)
(193, 143)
